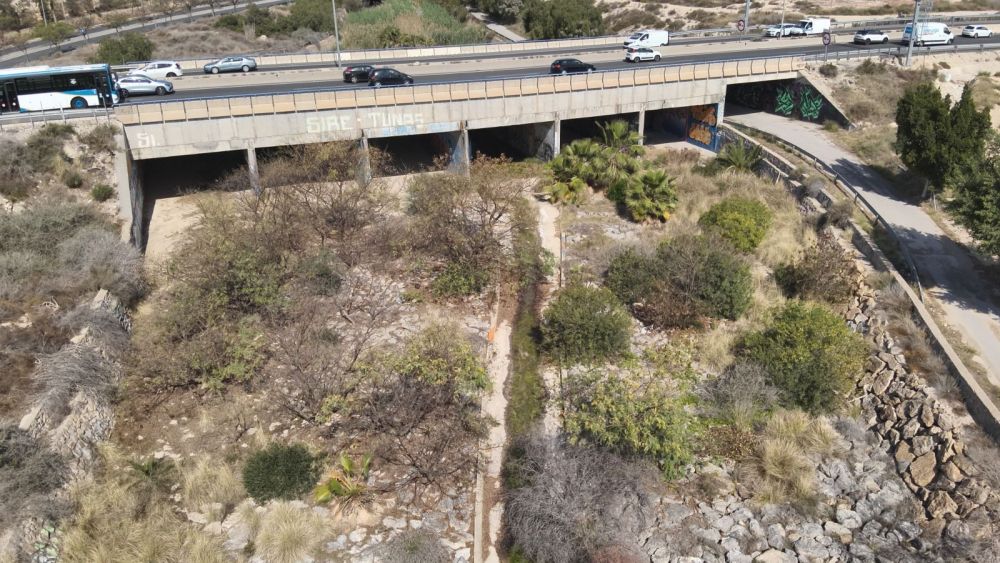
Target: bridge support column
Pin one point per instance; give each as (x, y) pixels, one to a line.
(641, 127)
(252, 169)
(556, 137)
(542, 139)
(460, 159)
(366, 160)
(128, 174)
(720, 111)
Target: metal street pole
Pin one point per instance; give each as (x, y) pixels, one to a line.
(336, 31)
(913, 32)
(781, 32)
(746, 17)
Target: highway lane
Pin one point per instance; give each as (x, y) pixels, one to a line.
(302, 82)
(755, 38)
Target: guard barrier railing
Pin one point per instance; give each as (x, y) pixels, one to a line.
(353, 98)
(555, 45)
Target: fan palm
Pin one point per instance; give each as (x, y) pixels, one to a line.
(650, 195)
(739, 157)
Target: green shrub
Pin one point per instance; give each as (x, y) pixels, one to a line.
(585, 324)
(705, 270)
(632, 276)
(123, 48)
(101, 138)
(631, 419)
(554, 19)
(458, 280)
(102, 192)
(871, 68)
(19, 178)
(72, 178)
(743, 222)
(828, 70)
(45, 147)
(809, 354)
(573, 192)
(280, 472)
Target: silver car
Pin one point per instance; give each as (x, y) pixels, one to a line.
(231, 64)
(137, 84)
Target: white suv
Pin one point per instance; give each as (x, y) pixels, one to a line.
(976, 31)
(869, 36)
(784, 30)
(159, 70)
(636, 54)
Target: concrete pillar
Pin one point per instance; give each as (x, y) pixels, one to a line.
(252, 169)
(641, 128)
(366, 160)
(460, 159)
(556, 137)
(131, 201)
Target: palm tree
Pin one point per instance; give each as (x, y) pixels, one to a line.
(651, 194)
(618, 136)
(578, 160)
(739, 157)
(620, 154)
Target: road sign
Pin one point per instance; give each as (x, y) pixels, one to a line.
(826, 37)
(741, 25)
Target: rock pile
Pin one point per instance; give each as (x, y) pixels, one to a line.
(917, 429)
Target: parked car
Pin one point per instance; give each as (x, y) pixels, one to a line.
(784, 30)
(869, 36)
(231, 64)
(137, 84)
(648, 38)
(388, 77)
(637, 54)
(567, 66)
(159, 70)
(358, 73)
(976, 31)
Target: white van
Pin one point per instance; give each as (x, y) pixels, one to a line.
(814, 26)
(648, 38)
(930, 33)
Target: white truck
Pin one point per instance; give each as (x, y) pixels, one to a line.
(648, 38)
(814, 26)
(931, 33)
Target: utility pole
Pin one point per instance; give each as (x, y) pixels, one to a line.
(913, 32)
(336, 31)
(781, 33)
(746, 17)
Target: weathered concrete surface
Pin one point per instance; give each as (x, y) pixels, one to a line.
(176, 138)
(946, 270)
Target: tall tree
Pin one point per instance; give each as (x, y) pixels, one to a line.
(977, 197)
(923, 128)
(969, 131)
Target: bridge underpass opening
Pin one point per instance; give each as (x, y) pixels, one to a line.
(517, 142)
(589, 127)
(165, 178)
(411, 154)
(796, 98)
(697, 125)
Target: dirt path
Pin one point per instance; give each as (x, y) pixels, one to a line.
(548, 230)
(946, 270)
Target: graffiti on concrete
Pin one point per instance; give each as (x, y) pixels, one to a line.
(793, 98)
(705, 114)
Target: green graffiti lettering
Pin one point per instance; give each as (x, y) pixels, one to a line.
(811, 103)
(784, 102)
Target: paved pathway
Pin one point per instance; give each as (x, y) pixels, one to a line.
(496, 28)
(946, 270)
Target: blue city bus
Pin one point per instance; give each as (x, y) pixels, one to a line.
(42, 88)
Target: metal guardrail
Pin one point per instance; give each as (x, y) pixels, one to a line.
(212, 107)
(900, 51)
(417, 53)
(64, 115)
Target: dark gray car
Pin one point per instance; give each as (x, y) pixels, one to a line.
(231, 64)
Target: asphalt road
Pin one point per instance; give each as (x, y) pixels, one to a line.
(535, 68)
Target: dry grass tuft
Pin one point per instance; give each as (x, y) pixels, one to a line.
(288, 534)
(211, 481)
(811, 435)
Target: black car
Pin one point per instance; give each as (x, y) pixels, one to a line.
(358, 73)
(388, 77)
(567, 66)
